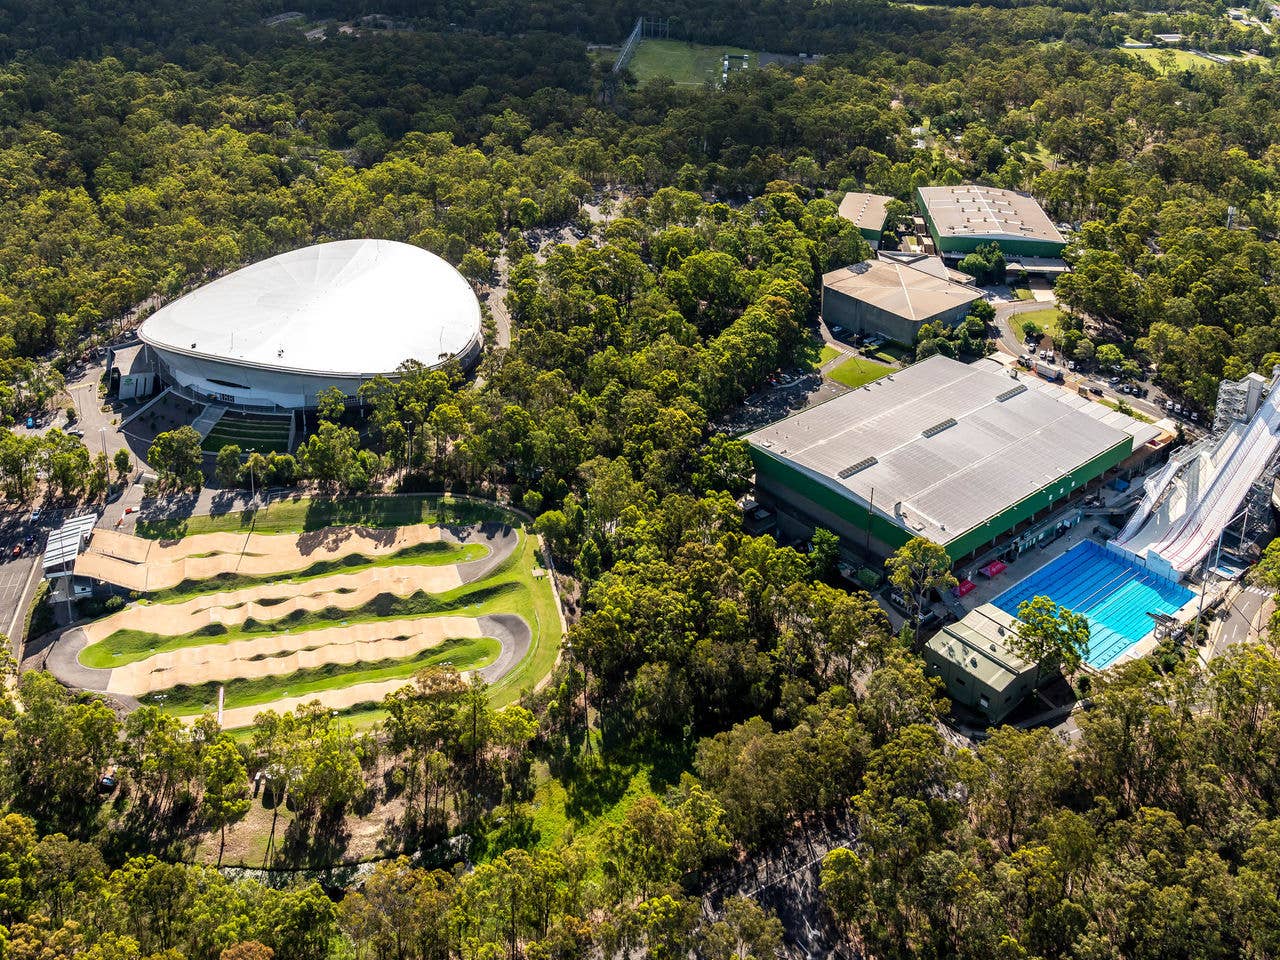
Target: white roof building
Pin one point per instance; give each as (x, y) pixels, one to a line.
(277, 332)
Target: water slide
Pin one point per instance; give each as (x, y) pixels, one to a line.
(1215, 487)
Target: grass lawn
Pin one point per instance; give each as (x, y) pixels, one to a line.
(857, 371)
(688, 64)
(1182, 59)
(1023, 293)
(1115, 405)
(465, 654)
(537, 604)
(302, 514)
(1049, 320)
(828, 354)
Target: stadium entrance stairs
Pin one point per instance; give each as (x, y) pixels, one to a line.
(208, 419)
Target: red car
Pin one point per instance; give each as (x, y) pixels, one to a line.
(16, 551)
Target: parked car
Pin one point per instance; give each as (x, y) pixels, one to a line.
(31, 423)
(36, 514)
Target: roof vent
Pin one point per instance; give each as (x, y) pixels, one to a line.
(937, 428)
(1012, 392)
(849, 471)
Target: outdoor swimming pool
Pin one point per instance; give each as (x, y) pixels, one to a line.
(1114, 594)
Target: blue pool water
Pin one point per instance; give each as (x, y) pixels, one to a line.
(1114, 594)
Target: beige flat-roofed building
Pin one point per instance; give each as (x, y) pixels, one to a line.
(868, 212)
(962, 218)
(893, 299)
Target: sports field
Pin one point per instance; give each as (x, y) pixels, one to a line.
(688, 64)
(340, 614)
(1158, 57)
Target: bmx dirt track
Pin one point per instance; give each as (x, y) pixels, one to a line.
(283, 653)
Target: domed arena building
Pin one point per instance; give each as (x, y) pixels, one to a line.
(275, 334)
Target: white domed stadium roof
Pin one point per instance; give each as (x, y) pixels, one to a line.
(348, 308)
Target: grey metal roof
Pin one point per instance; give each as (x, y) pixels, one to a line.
(973, 210)
(942, 446)
(1140, 431)
(65, 543)
(867, 210)
(900, 288)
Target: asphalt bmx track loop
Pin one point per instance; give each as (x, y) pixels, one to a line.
(282, 653)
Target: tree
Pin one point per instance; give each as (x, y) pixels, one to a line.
(247, 950)
(331, 403)
(824, 554)
(983, 312)
(56, 748)
(916, 568)
(123, 463)
(1050, 635)
(331, 456)
(1108, 356)
(225, 786)
(747, 932)
(1015, 779)
(256, 467)
(227, 468)
(1267, 570)
(178, 459)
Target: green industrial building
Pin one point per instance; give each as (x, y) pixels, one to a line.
(965, 455)
(960, 219)
(973, 659)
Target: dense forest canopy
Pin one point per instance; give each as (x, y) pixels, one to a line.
(145, 148)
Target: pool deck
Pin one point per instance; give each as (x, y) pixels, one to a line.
(1031, 561)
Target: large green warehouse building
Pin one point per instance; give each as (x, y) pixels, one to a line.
(960, 219)
(959, 453)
